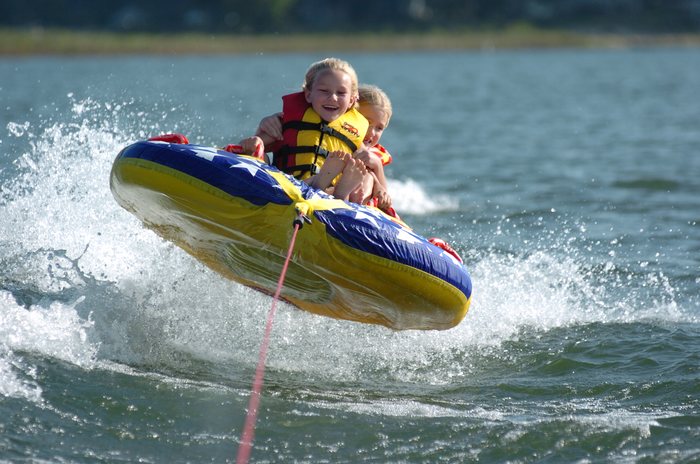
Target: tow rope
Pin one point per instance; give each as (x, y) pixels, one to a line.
(246, 445)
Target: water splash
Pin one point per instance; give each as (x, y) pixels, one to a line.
(409, 197)
(17, 379)
(55, 331)
(17, 129)
(76, 264)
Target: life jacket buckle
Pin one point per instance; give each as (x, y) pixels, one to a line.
(318, 150)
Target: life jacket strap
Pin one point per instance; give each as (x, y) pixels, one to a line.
(286, 150)
(285, 153)
(321, 127)
(312, 168)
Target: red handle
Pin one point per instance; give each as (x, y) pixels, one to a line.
(237, 149)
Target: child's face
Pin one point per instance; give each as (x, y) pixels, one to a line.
(331, 94)
(378, 121)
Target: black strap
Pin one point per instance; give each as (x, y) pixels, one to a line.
(287, 150)
(322, 127)
(312, 168)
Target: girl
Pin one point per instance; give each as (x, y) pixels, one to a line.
(376, 107)
(319, 122)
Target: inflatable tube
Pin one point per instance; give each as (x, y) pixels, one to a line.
(235, 214)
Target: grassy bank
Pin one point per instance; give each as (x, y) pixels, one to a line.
(46, 41)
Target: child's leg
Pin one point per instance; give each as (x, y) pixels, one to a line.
(363, 193)
(357, 195)
(351, 179)
(334, 165)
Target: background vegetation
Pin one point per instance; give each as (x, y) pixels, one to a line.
(225, 26)
(295, 16)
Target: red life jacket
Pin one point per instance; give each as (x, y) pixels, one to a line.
(307, 139)
(382, 153)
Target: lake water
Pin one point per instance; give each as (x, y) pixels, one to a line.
(568, 180)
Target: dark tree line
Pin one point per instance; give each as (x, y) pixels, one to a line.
(321, 16)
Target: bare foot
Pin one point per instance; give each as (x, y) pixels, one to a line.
(363, 194)
(334, 165)
(357, 195)
(351, 179)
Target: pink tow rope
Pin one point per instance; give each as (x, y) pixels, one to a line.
(251, 416)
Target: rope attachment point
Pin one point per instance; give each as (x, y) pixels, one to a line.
(302, 215)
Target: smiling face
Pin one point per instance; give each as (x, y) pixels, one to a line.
(378, 120)
(331, 94)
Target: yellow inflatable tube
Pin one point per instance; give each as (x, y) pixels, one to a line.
(235, 214)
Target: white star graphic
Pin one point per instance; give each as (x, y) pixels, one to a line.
(363, 216)
(407, 237)
(250, 167)
(207, 155)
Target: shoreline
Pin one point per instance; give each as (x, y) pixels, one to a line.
(28, 42)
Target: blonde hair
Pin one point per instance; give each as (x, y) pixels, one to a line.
(330, 64)
(373, 95)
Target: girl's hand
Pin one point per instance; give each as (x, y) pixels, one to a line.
(372, 162)
(383, 198)
(271, 125)
(252, 145)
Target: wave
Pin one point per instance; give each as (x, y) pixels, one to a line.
(85, 283)
(409, 197)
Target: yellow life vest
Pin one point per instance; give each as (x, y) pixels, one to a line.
(307, 139)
